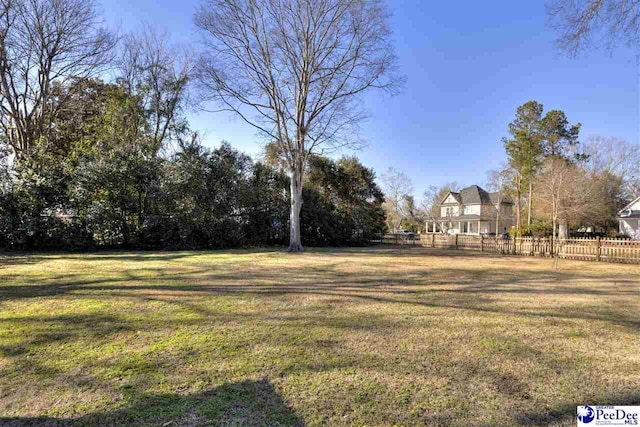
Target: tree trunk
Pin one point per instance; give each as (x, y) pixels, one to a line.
(518, 199)
(530, 204)
(295, 239)
(553, 237)
(563, 230)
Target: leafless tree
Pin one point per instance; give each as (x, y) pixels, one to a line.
(157, 72)
(584, 24)
(569, 194)
(293, 69)
(432, 198)
(617, 157)
(499, 181)
(44, 43)
(396, 186)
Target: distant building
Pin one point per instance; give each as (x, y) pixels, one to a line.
(629, 220)
(473, 211)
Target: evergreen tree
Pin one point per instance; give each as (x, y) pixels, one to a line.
(524, 149)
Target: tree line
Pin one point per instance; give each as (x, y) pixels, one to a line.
(96, 149)
(560, 184)
(109, 187)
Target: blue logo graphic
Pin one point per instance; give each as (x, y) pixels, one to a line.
(586, 414)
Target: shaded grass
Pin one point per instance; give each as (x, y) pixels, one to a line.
(339, 337)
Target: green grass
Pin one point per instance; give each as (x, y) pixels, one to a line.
(371, 336)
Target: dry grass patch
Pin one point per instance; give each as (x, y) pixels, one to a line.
(370, 336)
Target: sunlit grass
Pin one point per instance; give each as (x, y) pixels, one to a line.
(330, 337)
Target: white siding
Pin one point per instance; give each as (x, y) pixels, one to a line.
(454, 211)
(450, 199)
(471, 210)
(630, 227)
(635, 206)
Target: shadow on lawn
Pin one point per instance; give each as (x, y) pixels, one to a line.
(125, 255)
(246, 403)
(464, 289)
(565, 414)
(257, 402)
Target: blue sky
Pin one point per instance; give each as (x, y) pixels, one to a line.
(468, 65)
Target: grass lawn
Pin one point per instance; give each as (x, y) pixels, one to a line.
(372, 336)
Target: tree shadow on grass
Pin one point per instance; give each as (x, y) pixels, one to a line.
(565, 414)
(246, 403)
(472, 290)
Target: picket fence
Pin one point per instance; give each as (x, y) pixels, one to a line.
(608, 250)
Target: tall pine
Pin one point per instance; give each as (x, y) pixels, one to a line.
(524, 148)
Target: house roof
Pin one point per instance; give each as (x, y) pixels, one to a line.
(476, 195)
(452, 194)
(628, 207)
(504, 199)
(632, 216)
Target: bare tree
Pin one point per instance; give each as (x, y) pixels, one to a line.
(397, 187)
(293, 69)
(617, 157)
(569, 195)
(44, 43)
(159, 74)
(432, 198)
(584, 24)
(499, 181)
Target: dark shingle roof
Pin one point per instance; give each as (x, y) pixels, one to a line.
(475, 195)
(505, 199)
(455, 196)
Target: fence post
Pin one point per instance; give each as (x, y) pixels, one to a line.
(599, 248)
(481, 243)
(456, 240)
(433, 240)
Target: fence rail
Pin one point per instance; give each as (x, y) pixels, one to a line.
(608, 250)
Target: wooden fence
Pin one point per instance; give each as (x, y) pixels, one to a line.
(610, 250)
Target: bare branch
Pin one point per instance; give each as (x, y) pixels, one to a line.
(44, 43)
(584, 24)
(159, 74)
(293, 70)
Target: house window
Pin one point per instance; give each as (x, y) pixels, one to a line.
(471, 210)
(449, 211)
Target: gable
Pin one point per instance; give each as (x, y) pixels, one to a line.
(450, 199)
(633, 206)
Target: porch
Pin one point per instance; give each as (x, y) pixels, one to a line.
(460, 226)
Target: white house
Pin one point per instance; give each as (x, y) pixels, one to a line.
(473, 211)
(629, 220)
